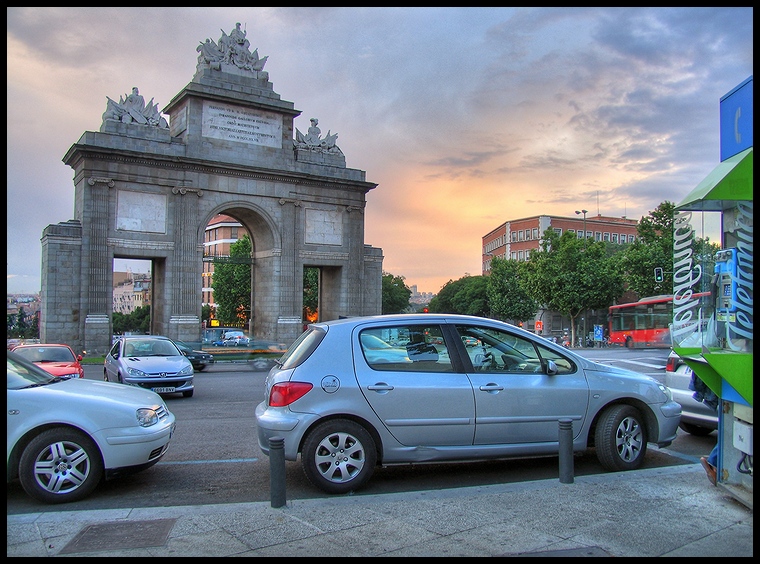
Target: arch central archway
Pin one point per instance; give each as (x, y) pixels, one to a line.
(148, 190)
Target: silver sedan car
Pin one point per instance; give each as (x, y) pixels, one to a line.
(697, 417)
(346, 406)
(151, 362)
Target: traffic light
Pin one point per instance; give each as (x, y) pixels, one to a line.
(425, 310)
(659, 276)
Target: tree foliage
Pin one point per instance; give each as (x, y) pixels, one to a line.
(22, 325)
(571, 275)
(232, 284)
(310, 294)
(468, 296)
(396, 294)
(137, 321)
(506, 291)
(653, 248)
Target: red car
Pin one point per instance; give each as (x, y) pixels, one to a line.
(59, 360)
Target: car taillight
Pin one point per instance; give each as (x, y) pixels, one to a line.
(285, 393)
(670, 366)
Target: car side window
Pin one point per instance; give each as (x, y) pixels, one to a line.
(499, 351)
(405, 348)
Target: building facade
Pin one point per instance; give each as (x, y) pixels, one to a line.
(518, 238)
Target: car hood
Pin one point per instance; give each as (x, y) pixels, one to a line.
(156, 363)
(76, 391)
(58, 368)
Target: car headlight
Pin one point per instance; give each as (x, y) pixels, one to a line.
(146, 417)
(136, 373)
(665, 390)
(186, 371)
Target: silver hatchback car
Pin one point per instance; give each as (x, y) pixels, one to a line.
(347, 408)
(151, 362)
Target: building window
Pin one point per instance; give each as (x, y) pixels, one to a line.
(514, 236)
(598, 235)
(558, 230)
(521, 235)
(614, 237)
(535, 232)
(521, 255)
(527, 234)
(513, 255)
(606, 236)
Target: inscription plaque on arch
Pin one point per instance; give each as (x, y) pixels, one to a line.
(244, 125)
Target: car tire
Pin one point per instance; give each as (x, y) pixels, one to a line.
(188, 394)
(339, 438)
(621, 438)
(695, 430)
(60, 465)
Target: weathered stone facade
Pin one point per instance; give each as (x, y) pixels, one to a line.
(147, 191)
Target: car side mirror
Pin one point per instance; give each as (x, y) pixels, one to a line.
(79, 357)
(551, 368)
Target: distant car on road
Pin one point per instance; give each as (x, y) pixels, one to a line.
(697, 418)
(65, 435)
(60, 360)
(198, 358)
(235, 339)
(151, 362)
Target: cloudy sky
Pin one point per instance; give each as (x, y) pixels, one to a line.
(464, 117)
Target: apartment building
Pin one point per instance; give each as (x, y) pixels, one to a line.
(221, 232)
(517, 238)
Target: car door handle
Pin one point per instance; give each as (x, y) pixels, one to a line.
(380, 387)
(491, 387)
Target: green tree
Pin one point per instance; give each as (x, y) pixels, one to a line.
(467, 296)
(310, 293)
(571, 275)
(232, 284)
(508, 298)
(653, 248)
(395, 294)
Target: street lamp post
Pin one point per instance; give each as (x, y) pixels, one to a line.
(584, 212)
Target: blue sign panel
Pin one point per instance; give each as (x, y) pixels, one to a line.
(736, 130)
(598, 332)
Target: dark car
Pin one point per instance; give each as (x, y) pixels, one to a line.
(199, 359)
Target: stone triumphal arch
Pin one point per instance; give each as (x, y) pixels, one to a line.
(146, 187)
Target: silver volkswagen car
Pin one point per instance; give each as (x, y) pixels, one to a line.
(151, 362)
(346, 406)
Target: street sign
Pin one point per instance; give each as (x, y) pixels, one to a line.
(598, 332)
(539, 326)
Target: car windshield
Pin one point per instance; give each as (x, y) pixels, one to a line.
(150, 348)
(20, 376)
(45, 354)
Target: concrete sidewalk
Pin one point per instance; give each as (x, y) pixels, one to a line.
(671, 511)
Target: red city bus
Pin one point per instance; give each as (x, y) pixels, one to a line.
(645, 323)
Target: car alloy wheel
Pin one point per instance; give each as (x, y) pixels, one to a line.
(339, 456)
(621, 438)
(60, 465)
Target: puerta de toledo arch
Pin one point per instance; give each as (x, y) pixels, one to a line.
(146, 187)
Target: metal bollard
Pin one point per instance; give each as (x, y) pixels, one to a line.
(566, 451)
(277, 471)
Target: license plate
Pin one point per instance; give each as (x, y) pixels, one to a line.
(166, 390)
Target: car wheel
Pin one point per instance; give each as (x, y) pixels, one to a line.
(60, 465)
(188, 394)
(339, 456)
(695, 429)
(621, 438)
